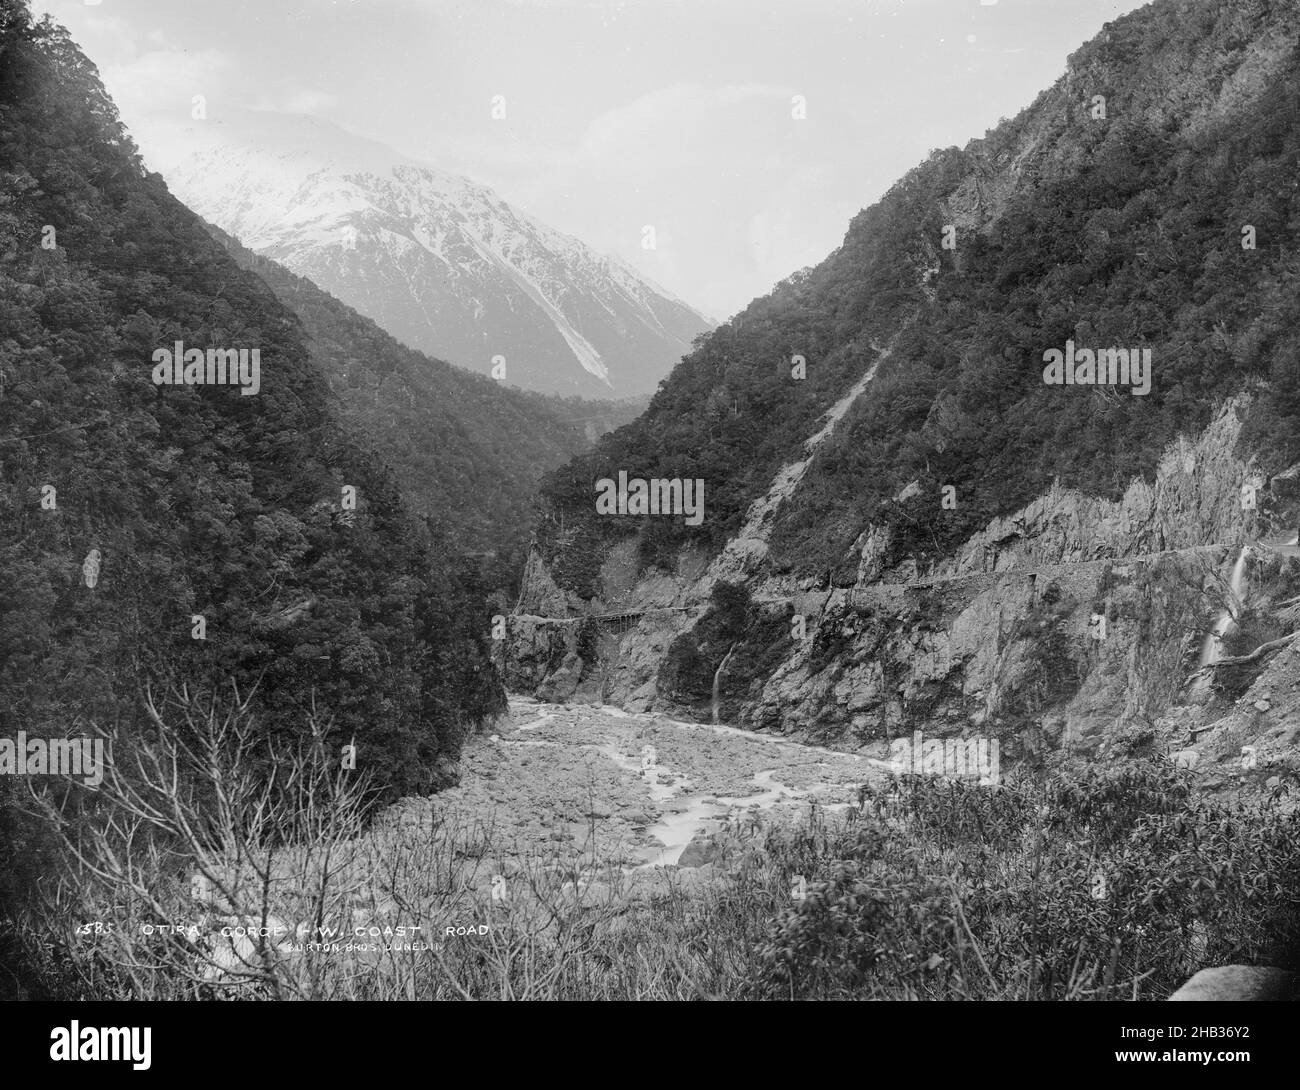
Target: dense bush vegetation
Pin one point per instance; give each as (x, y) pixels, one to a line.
(199, 500)
(466, 451)
(1105, 884)
(1125, 231)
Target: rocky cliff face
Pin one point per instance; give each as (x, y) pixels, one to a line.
(1072, 617)
(1003, 638)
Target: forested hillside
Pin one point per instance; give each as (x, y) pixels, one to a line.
(1135, 203)
(203, 504)
(467, 451)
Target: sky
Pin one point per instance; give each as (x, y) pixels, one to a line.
(618, 114)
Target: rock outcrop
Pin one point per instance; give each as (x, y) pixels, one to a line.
(1240, 984)
(1063, 596)
(1003, 639)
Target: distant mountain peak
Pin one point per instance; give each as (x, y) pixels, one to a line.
(440, 261)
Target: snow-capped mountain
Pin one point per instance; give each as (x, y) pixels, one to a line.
(438, 260)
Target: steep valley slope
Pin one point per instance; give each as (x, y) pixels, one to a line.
(907, 528)
(467, 451)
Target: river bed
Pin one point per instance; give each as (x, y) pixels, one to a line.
(633, 789)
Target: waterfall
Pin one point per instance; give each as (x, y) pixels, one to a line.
(717, 679)
(1212, 648)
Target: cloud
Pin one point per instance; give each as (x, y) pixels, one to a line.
(167, 79)
(716, 171)
(297, 100)
(623, 113)
(683, 105)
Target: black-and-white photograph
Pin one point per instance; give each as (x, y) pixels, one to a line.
(651, 501)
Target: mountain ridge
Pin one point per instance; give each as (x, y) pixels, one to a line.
(252, 540)
(1122, 207)
(466, 450)
(441, 262)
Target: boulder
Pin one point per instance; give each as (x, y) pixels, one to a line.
(701, 851)
(1240, 983)
(561, 684)
(590, 691)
